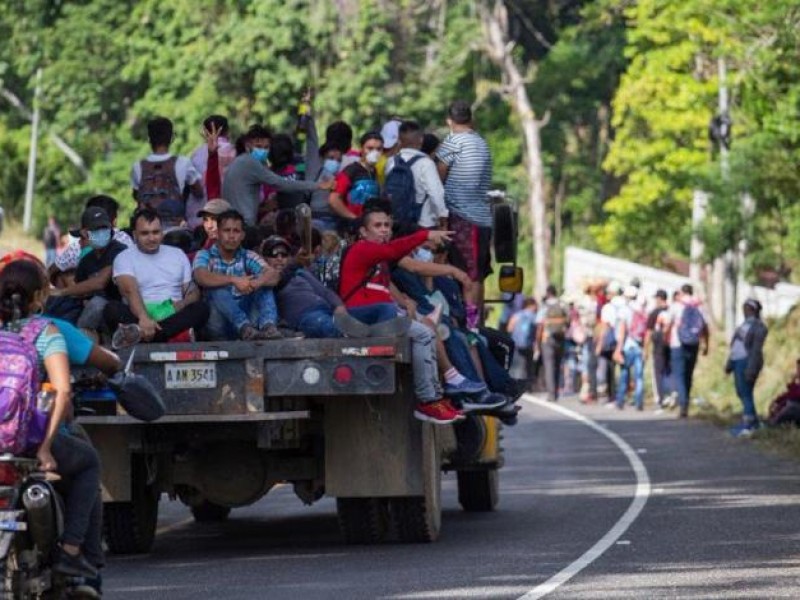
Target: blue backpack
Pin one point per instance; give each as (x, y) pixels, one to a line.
(400, 189)
(691, 325)
(524, 331)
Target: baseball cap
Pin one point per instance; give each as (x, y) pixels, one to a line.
(661, 294)
(214, 207)
(390, 132)
(93, 218)
(272, 242)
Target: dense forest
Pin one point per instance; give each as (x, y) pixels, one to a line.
(623, 92)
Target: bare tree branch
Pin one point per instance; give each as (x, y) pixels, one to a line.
(68, 151)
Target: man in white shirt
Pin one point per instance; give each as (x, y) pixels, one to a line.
(427, 183)
(155, 281)
(161, 180)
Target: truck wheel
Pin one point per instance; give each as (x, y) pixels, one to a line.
(208, 512)
(130, 527)
(418, 519)
(362, 520)
(478, 491)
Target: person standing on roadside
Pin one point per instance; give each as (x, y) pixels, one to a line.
(687, 331)
(745, 361)
(551, 332)
(631, 332)
(465, 166)
(656, 343)
(50, 237)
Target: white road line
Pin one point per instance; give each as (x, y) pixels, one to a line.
(640, 497)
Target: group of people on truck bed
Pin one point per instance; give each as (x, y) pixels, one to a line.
(221, 246)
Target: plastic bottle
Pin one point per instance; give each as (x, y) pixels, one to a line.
(45, 398)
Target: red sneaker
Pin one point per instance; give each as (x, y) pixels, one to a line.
(440, 412)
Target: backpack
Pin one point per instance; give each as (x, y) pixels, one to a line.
(524, 330)
(691, 325)
(401, 190)
(556, 320)
(638, 326)
(362, 190)
(160, 190)
(22, 426)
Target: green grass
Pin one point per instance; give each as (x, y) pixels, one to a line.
(722, 406)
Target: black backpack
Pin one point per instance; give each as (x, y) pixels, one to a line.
(401, 190)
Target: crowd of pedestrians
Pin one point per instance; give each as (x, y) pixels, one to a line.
(596, 344)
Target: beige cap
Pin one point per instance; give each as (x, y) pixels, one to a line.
(214, 207)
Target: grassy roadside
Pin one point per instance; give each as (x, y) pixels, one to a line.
(14, 238)
(719, 401)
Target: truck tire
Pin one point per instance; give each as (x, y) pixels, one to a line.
(208, 512)
(478, 491)
(505, 234)
(362, 520)
(418, 519)
(130, 527)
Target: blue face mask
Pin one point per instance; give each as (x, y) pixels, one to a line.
(99, 238)
(331, 166)
(260, 154)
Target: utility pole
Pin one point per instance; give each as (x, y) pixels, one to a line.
(31, 181)
(724, 165)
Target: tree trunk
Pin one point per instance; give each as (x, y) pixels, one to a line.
(498, 47)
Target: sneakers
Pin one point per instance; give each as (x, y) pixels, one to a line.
(390, 328)
(350, 326)
(127, 334)
(439, 412)
(744, 430)
(248, 333)
(74, 566)
(486, 401)
(465, 388)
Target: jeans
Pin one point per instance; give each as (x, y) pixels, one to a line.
(191, 316)
(318, 323)
(744, 389)
(497, 378)
(79, 464)
(458, 352)
(634, 366)
(660, 372)
(590, 365)
(424, 364)
(92, 314)
(552, 356)
(257, 308)
(605, 375)
(682, 361)
(374, 313)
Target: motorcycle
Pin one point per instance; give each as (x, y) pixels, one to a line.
(32, 510)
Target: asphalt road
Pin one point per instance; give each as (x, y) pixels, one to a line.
(721, 521)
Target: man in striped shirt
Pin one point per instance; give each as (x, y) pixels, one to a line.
(465, 166)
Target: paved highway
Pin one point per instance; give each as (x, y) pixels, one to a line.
(641, 506)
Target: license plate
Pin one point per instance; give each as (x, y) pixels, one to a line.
(13, 525)
(190, 375)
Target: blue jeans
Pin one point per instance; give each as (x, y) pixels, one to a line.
(681, 362)
(318, 323)
(634, 366)
(374, 313)
(458, 352)
(497, 378)
(230, 313)
(744, 389)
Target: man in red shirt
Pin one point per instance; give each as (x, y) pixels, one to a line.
(357, 182)
(364, 288)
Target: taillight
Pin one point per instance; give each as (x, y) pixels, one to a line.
(343, 374)
(9, 475)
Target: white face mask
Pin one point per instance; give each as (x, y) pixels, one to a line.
(423, 254)
(373, 156)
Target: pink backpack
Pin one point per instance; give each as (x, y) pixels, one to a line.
(22, 426)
